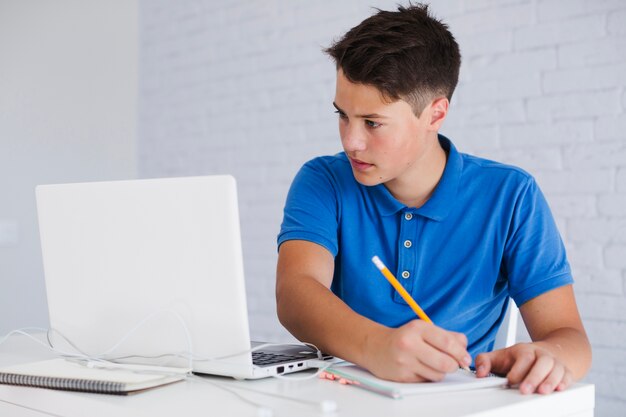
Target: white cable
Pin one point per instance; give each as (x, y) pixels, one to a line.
(326, 406)
(23, 332)
(186, 355)
(145, 320)
(101, 357)
(20, 331)
(261, 409)
(79, 354)
(100, 362)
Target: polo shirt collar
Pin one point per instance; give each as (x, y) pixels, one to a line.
(440, 203)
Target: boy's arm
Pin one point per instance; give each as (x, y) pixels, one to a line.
(559, 354)
(417, 351)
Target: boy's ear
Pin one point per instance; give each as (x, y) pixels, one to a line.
(438, 112)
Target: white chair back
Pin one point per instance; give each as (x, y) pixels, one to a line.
(507, 334)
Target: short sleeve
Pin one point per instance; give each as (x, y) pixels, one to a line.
(312, 208)
(535, 259)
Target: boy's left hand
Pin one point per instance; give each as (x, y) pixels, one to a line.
(532, 367)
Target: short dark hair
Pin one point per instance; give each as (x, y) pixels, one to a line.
(408, 55)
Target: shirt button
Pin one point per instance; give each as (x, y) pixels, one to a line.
(406, 274)
(408, 216)
(407, 244)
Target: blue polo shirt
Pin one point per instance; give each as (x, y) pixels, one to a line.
(485, 234)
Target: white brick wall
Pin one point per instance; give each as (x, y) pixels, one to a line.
(68, 113)
(242, 87)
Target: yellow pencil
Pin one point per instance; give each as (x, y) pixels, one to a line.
(403, 293)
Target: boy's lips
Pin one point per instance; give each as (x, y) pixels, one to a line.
(360, 165)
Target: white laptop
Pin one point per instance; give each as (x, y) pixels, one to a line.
(161, 260)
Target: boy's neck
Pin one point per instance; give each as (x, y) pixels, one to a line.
(416, 189)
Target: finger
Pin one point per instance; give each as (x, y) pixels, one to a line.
(450, 344)
(523, 363)
(437, 360)
(499, 362)
(553, 379)
(418, 371)
(567, 380)
(539, 371)
(461, 338)
(425, 373)
(467, 359)
(483, 364)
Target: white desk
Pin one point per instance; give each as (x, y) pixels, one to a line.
(194, 398)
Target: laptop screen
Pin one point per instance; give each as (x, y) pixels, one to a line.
(155, 254)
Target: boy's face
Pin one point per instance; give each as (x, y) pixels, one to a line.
(385, 142)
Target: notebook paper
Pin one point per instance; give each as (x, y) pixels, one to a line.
(457, 381)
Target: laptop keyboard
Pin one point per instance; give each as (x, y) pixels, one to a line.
(266, 358)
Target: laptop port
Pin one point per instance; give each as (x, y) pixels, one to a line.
(280, 369)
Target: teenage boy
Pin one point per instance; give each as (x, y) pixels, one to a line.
(463, 233)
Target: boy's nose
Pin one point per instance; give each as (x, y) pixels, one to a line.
(353, 140)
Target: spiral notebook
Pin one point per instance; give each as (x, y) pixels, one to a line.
(62, 374)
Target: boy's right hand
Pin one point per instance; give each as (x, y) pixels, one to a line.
(415, 352)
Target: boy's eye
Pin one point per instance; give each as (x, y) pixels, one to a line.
(342, 115)
(372, 124)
